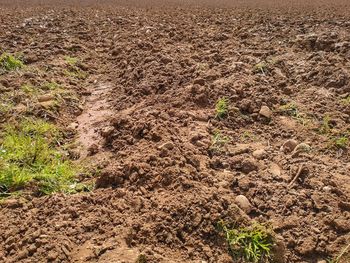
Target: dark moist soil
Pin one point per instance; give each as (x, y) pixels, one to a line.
(145, 116)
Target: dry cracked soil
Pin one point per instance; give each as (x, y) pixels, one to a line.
(143, 113)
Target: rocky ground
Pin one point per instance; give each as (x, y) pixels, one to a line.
(141, 107)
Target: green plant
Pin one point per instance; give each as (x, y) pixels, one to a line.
(218, 141)
(29, 89)
(51, 86)
(76, 73)
(9, 62)
(29, 156)
(221, 108)
(252, 243)
(345, 101)
(71, 60)
(325, 127)
(341, 142)
(248, 136)
(261, 67)
(291, 109)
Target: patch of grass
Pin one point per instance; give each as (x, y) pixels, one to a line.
(325, 126)
(29, 89)
(29, 157)
(51, 86)
(221, 108)
(341, 142)
(345, 101)
(291, 109)
(248, 136)
(76, 73)
(70, 60)
(261, 67)
(9, 62)
(5, 108)
(252, 244)
(218, 141)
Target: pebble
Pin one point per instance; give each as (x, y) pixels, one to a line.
(107, 131)
(46, 97)
(260, 154)
(289, 145)
(266, 112)
(275, 169)
(73, 126)
(243, 203)
(167, 145)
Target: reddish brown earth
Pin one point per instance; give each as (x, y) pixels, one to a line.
(146, 117)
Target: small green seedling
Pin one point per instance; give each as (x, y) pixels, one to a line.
(261, 67)
(252, 244)
(248, 136)
(345, 101)
(290, 109)
(50, 86)
(29, 89)
(221, 108)
(71, 60)
(9, 62)
(341, 142)
(325, 126)
(218, 141)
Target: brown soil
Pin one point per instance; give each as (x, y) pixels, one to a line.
(146, 117)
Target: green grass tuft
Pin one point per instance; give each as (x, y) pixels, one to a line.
(252, 244)
(9, 62)
(341, 142)
(71, 60)
(218, 141)
(345, 101)
(29, 157)
(221, 108)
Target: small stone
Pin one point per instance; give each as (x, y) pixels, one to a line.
(167, 146)
(243, 203)
(260, 154)
(327, 188)
(48, 104)
(237, 149)
(52, 255)
(46, 97)
(289, 145)
(73, 126)
(275, 170)
(107, 131)
(266, 112)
